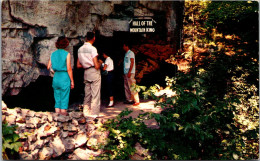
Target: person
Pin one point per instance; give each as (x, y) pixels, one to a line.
(129, 76)
(88, 59)
(108, 68)
(60, 63)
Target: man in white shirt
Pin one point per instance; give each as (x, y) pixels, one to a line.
(129, 76)
(88, 59)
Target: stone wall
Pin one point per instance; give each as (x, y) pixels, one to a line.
(30, 29)
(50, 136)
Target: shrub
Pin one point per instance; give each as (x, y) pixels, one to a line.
(10, 141)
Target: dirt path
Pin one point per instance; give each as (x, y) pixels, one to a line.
(145, 106)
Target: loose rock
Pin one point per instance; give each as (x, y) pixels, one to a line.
(57, 147)
(45, 153)
(4, 107)
(96, 139)
(82, 154)
(75, 122)
(76, 115)
(82, 120)
(69, 144)
(80, 140)
(11, 119)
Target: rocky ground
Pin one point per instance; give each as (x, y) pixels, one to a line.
(47, 135)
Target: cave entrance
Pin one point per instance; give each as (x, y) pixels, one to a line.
(37, 96)
(113, 46)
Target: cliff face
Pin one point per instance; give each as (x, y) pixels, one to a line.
(30, 29)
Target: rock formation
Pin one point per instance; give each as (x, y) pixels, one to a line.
(30, 29)
(50, 136)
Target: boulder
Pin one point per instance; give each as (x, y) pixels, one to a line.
(57, 146)
(32, 146)
(47, 140)
(11, 119)
(4, 107)
(72, 128)
(90, 128)
(140, 150)
(80, 139)
(3, 118)
(20, 119)
(11, 112)
(31, 114)
(136, 157)
(32, 137)
(45, 153)
(39, 114)
(75, 122)
(42, 130)
(43, 120)
(24, 112)
(32, 122)
(18, 110)
(49, 116)
(82, 128)
(82, 120)
(82, 154)
(69, 144)
(39, 144)
(26, 146)
(35, 154)
(51, 130)
(25, 156)
(61, 118)
(30, 125)
(76, 115)
(64, 134)
(97, 138)
(65, 126)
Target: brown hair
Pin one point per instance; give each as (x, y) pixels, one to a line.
(90, 35)
(62, 42)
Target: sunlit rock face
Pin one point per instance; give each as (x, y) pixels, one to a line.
(30, 29)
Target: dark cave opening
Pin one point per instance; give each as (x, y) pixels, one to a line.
(37, 96)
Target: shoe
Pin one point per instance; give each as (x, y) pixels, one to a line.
(136, 104)
(128, 102)
(92, 117)
(110, 105)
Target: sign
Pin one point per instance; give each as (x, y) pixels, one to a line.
(142, 26)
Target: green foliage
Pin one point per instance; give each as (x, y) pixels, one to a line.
(137, 88)
(220, 12)
(10, 140)
(234, 17)
(124, 133)
(200, 121)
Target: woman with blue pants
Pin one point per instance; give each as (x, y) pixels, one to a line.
(63, 78)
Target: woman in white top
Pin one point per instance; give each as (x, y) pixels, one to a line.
(108, 68)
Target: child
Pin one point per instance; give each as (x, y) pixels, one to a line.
(108, 68)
